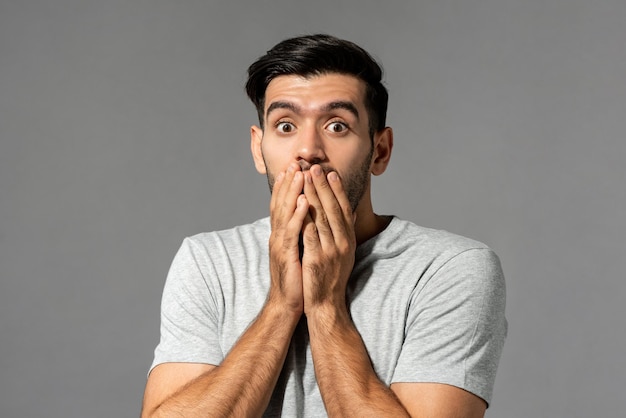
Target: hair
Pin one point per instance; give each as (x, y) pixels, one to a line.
(320, 54)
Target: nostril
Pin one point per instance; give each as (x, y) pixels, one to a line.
(304, 164)
(307, 164)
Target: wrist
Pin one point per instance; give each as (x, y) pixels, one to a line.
(277, 308)
(326, 317)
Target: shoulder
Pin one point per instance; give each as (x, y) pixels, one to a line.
(259, 227)
(438, 238)
(249, 234)
(218, 248)
(428, 244)
(457, 269)
(441, 260)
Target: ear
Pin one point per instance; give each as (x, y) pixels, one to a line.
(256, 138)
(383, 144)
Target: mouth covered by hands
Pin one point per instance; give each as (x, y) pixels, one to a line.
(310, 207)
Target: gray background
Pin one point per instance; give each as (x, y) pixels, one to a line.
(124, 128)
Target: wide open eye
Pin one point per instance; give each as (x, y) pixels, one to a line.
(285, 127)
(337, 127)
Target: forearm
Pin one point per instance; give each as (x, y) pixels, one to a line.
(346, 378)
(243, 383)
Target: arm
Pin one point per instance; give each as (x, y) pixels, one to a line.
(240, 386)
(243, 383)
(350, 386)
(347, 380)
(438, 400)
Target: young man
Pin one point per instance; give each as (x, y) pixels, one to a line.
(325, 307)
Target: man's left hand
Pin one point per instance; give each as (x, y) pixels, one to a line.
(329, 241)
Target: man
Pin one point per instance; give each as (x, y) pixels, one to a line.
(326, 308)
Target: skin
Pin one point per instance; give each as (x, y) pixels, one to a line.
(318, 156)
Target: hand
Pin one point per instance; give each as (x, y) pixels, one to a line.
(329, 240)
(288, 209)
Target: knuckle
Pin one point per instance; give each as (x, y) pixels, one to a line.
(323, 218)
(315, 270)
(287, 242)
(344, 248)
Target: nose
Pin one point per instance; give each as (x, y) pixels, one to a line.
(310, 147)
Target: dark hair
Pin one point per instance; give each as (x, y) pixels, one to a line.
(315, 55)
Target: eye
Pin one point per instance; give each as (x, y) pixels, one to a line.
(337, 127)
(285, 127)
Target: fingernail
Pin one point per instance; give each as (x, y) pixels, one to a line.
(333, 176)
(280, 176)
(317, 170)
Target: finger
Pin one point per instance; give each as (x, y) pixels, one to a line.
(290, 197)
(285, 193)
(296, 223)
(316, 209)
(349, 217)
(279, 190)
(310, 236)
(342, 198)
(333, 200)
(293, 191)
(278, 182)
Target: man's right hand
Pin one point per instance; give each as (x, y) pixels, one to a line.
(242, 385)
(288, 209)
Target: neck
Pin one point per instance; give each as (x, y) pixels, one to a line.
(368, 224)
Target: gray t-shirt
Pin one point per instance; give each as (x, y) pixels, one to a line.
(428, 304)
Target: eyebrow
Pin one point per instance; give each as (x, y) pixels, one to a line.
(340, 104)
(281, 105)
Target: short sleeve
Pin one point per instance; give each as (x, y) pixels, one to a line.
(456, 325)
(189, 319)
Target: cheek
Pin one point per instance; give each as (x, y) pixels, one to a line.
(272, 160)
(275, 160)
(361, 157)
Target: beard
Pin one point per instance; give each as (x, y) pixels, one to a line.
(355, 182)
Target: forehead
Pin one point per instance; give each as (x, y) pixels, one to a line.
(314, 92)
